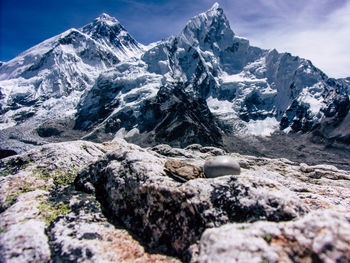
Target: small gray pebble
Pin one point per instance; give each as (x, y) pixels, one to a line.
(220, 166)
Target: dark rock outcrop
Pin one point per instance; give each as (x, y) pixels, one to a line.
(178, 118)
(6, 153)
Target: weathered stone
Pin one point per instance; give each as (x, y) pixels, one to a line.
(322, 236)
(192, 151)
(85, 235)
(22, 235)
(181, 171)
(168, 151)
(45, 220)
(44, 168)
(172, 216)
(206, 149)
(220, 166)
(130, 184)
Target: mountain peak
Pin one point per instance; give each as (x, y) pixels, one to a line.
(108, 31)
(208, 27)
(215, 11)
(109, 20)
(215, 7)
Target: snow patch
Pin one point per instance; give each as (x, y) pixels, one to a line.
(7, 124)
(262, 127)
(313, 97)
(123, 134)
(110, 21)
(241, 77)
(221, 107)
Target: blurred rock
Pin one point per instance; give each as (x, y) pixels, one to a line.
(321, 236)
(220, 166)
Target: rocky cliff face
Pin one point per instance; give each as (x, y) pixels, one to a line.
(88, 202)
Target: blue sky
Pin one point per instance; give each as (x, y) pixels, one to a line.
(315, 29)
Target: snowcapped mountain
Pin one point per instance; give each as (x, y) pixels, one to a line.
(244, 83)
(52, 76)
(109, 32)
(196, 87)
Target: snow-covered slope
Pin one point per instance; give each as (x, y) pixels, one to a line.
(112, 85)
(255, 90)
(249, 90)
(50, 77)
(109, 32)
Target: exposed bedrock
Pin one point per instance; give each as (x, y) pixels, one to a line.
(274, 209)
(170, 215)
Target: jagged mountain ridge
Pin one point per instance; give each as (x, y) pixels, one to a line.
(243, 85)
(247, 90)
(62, 65)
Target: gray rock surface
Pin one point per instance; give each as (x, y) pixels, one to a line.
(321, 236)
(172, 215)
(220, 166)
(43, 218)
(114, 202)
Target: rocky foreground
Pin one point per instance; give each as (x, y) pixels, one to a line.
(116, 202)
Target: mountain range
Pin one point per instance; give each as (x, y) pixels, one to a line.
(206, 85)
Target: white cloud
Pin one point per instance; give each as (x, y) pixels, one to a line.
(324, 39)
